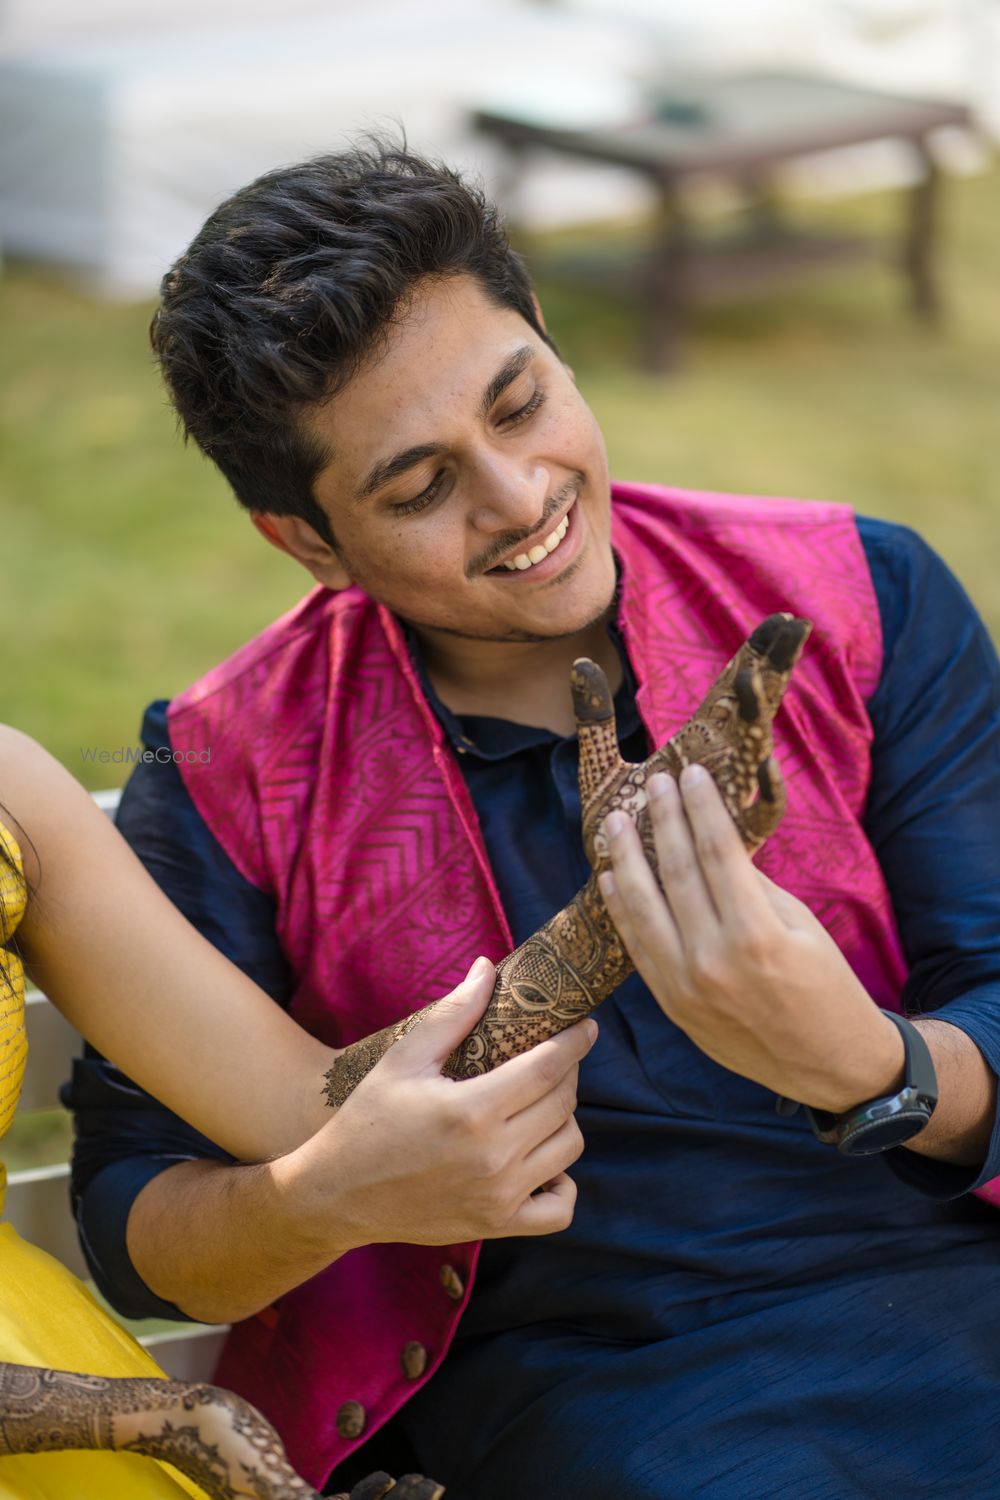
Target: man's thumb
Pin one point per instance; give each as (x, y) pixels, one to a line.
(447, 1022)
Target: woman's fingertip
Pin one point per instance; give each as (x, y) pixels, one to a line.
(606, 882)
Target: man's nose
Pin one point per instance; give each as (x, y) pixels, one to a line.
(508, 495)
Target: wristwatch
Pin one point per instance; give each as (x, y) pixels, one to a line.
(882, 1123)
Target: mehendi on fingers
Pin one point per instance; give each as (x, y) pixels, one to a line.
(233, 1453)
(413, 1487)
(563, 971)
(409, 1487)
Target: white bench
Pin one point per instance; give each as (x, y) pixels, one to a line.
(38, 1198)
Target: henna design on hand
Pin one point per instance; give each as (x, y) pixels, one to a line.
(42, 1411)
(211, 1435)
(572, 963)
(409, 1487)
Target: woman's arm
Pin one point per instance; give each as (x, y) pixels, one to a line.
(211, 1435)
(107, 947)
(412, 1158)
(214, 1437)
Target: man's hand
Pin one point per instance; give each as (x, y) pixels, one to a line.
(740, 965)
(411, 1156)
(417, 1157)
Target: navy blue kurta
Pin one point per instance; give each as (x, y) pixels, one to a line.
(736, 1310)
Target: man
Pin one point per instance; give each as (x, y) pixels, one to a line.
(735, 1307)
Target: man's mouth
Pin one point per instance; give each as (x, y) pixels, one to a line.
(521, 561)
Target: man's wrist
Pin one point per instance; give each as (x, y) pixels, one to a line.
(877, 1068)
(311, 1203)
(187, 1236)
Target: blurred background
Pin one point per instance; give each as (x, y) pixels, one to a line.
(766, 236)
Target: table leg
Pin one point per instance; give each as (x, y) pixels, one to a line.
(921, 234)
(666, 291)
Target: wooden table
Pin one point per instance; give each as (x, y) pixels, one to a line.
(742, 128)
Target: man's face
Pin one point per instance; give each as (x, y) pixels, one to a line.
(465, 445)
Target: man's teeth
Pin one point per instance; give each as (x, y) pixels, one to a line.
(541, 550)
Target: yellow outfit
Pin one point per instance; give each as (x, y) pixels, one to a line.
(47, 1317)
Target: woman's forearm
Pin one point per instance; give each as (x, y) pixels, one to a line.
(103, 942)
(211, 1435)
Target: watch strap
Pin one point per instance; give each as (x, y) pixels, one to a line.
(914, 1103)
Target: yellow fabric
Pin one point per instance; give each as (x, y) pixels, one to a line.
(13, 1042)
(47, 1316)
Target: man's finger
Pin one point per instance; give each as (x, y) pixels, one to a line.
(626, 926)
(521, 1081)
(680, 871)
(444, 1024)
(642, 915)
(542, 1119)
(547, 1211)
(552, 1157)
(725, 866)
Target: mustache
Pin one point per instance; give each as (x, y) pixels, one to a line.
(570, 490)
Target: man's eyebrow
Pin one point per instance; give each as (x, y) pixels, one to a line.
(391, 468)
(505, 376)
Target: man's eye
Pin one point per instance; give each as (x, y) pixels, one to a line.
(409, 507)
(421, 501)
(527, 410)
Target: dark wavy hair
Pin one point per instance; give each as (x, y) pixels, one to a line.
(293, 283)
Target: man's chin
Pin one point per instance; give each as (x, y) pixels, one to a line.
(514, 634)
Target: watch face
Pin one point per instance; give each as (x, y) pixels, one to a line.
(870, 1136)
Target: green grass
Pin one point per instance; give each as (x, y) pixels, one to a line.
(129, 569)
(39, 1138)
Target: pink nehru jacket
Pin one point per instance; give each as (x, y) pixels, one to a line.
(330, 786)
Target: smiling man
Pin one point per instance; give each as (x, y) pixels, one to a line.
(480, 513)
(728, 1306)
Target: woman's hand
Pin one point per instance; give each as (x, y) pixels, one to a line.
(226, 1446)
(410, 1487)
(215, 1438)
(729, 733)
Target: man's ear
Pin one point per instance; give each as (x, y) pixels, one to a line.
(541, 323)
(295, 536)
(540, 316)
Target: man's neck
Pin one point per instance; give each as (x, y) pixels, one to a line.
(526, 682)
